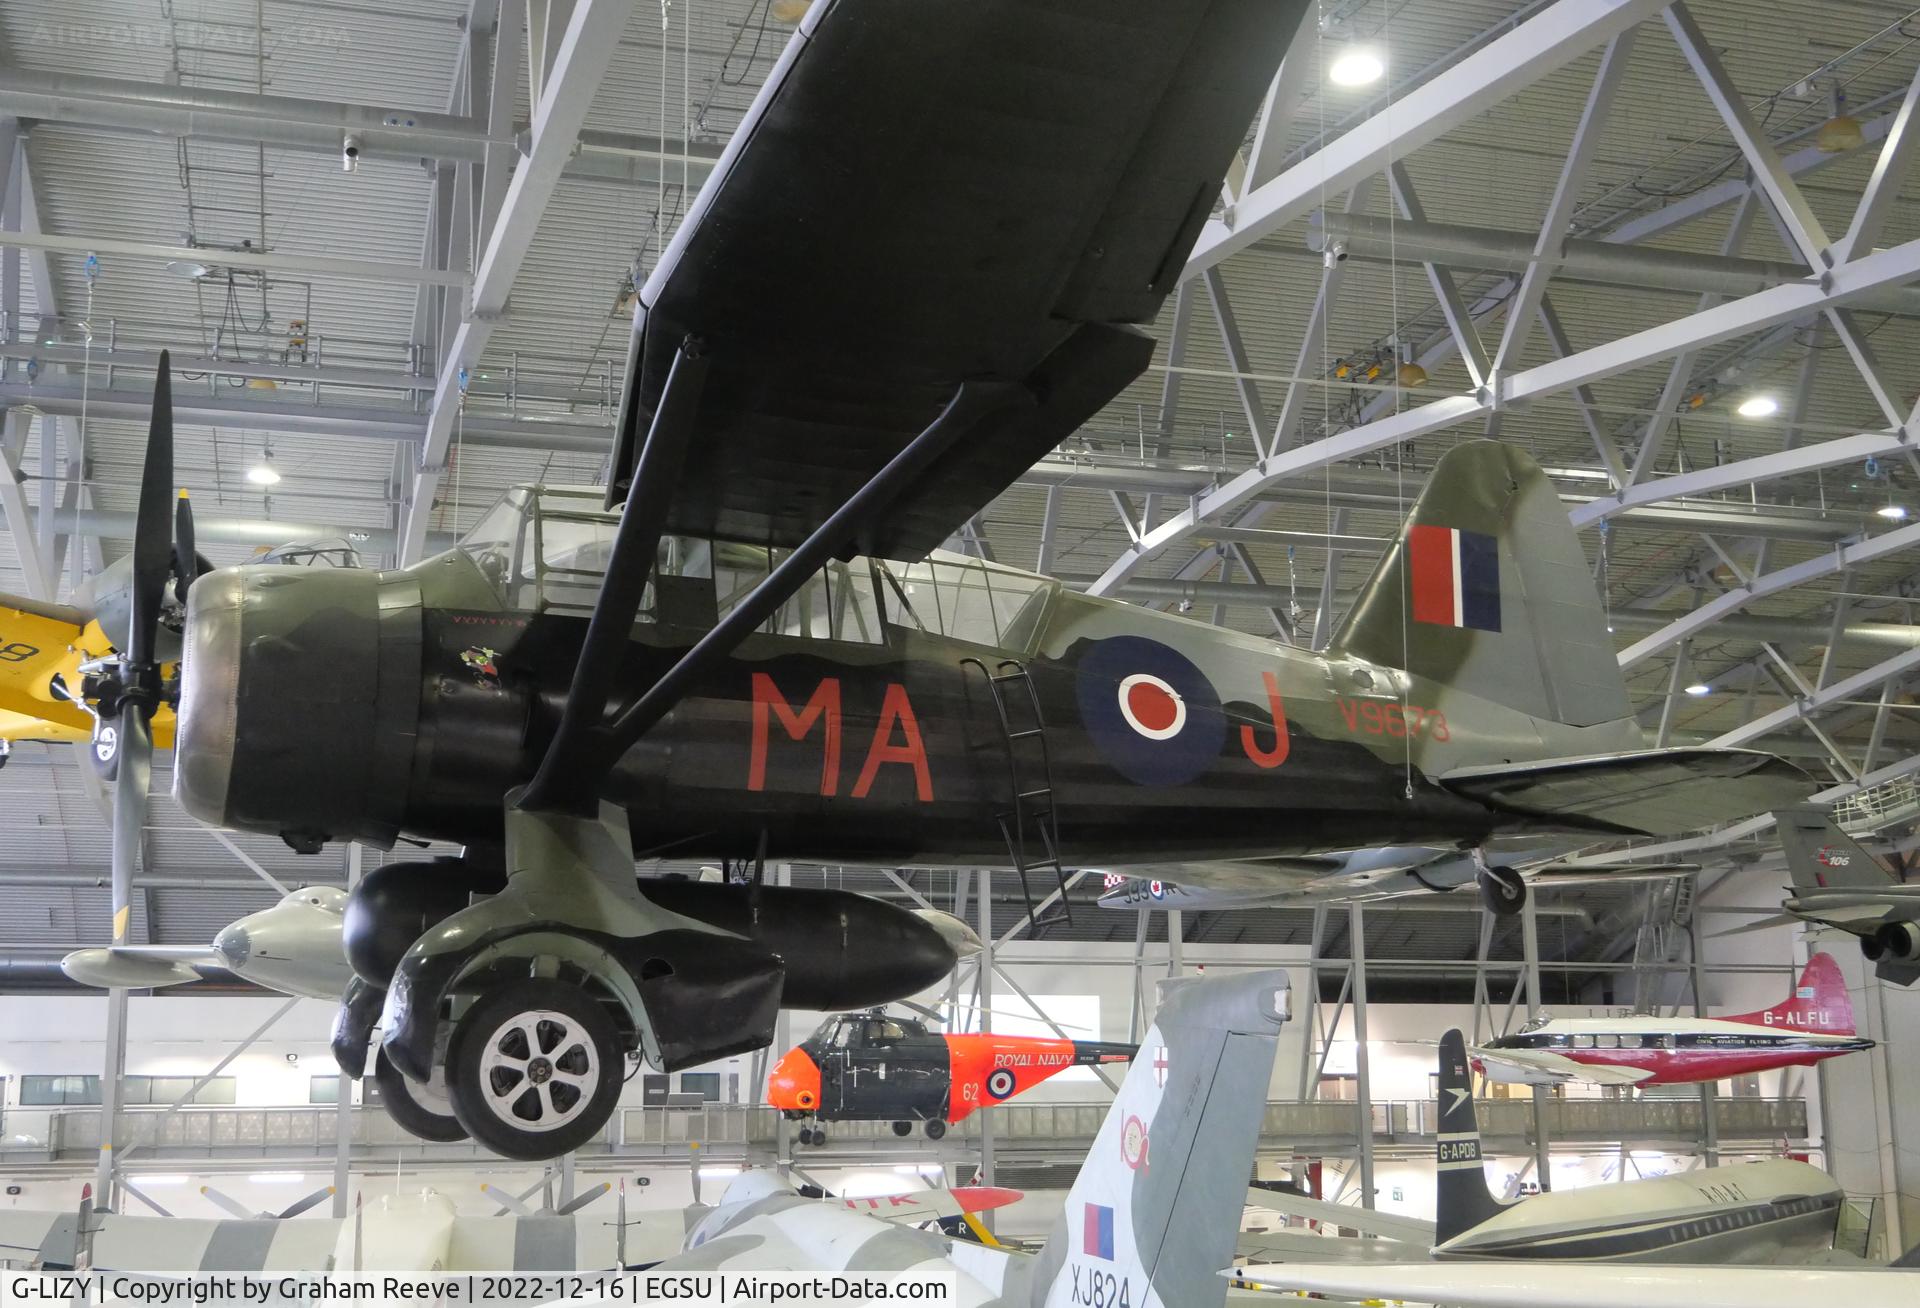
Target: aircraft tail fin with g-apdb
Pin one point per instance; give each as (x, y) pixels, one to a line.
(1462, 1199)
(1487, 592)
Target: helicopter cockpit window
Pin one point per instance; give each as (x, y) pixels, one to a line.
(845, 1034)
(884, 1031)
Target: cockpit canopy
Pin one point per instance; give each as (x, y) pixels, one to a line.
(546, 549)
(863, 1031)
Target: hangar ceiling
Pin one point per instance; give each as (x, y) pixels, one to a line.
(402, 340)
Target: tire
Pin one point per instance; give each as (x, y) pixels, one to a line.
(936, 1128)
(903, 1128)
(423, 1111)
(1503, 891)
(534, 1069)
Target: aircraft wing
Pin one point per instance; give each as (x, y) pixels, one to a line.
(923, 194)
(1532, 1284)
(1392, 1226)
(1559, 1068)
(143, 967)
(36, 640)
(1593, 874)
(1300, 1246)
(1655, 792)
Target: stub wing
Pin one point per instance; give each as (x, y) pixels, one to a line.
(1529, 1284)
(1656, 792)
(141, 967)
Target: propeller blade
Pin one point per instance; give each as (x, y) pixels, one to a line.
(130, 786)
(186, 560)
(508, 1204)
(229, 1203)
(152, 532)
(582, 1200)
(299, 1206)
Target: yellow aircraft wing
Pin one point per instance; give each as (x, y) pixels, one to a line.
(38, 641)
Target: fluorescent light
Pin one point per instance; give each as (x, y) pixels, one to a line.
(1356, 66)
(720, 1171)
(1758, 406)
(262, 474)
(276, 1178)
(158, 1180)
(1897, 512)
(1699, 688)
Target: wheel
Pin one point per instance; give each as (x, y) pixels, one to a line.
(903, 1128)
(419, 1110)
(1503, 891)
(936, 1128)
(819, 1137)
(534, 1069)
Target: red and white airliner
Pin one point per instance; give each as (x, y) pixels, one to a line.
(1813, 1023)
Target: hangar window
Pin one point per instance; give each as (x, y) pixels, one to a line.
(135, 1091)
(323, 1090)
(704, 1084)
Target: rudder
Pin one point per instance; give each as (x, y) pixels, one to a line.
(1487, 591)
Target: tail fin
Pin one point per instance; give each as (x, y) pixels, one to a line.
(1820, 856)
(1487, 591)
(1819, 1004)
(1462, 1199)
(1154, 1214)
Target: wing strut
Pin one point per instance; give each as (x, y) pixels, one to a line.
(564, 781)
(582, 755)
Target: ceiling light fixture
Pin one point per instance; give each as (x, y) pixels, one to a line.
(1356, 66)
(790, 11)
(1842, 132)
(1758, 406)
(1894, 512)
(1699, 688)
(262, 474)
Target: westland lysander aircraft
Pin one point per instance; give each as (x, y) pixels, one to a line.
(867, 327)
(1813, 1023)
(1838, 884)
(874, 1067)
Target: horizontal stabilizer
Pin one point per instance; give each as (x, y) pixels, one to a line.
(1389, 1226)
(1655, 792)
(1762, 924)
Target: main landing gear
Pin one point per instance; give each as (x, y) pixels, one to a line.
(534, 1068)
(1502, 889)
(421, 1109)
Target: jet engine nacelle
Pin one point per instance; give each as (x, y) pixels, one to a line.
(1898, 941)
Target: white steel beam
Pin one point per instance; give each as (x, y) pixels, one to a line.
(1775, 305)
(1538, 47)
(1742, 472)
(1769, 173)
(592, 37)
(1841, 557)
(1466, 337)
(1236, 351)
(13, 507)
(1566, 192)
(313, 265)
(1890, 172)
(1283, 102)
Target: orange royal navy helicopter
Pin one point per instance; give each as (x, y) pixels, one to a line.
(875, 1067)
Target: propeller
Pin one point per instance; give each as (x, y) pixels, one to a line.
(187, 563)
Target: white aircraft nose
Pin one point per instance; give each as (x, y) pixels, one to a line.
(234, 946)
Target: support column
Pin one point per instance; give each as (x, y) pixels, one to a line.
(984, 894)
(1709, 1119)
(1363, 1089)
(1530, 946)
(1176, 943)
(343, 1101)
(782, 1040)
(1309, 1082)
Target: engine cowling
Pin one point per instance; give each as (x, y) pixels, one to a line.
(1898, 941)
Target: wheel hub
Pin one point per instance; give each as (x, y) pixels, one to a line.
(540, 1070)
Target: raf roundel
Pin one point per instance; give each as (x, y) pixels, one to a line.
(1000, 1082)
(1151, 712)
